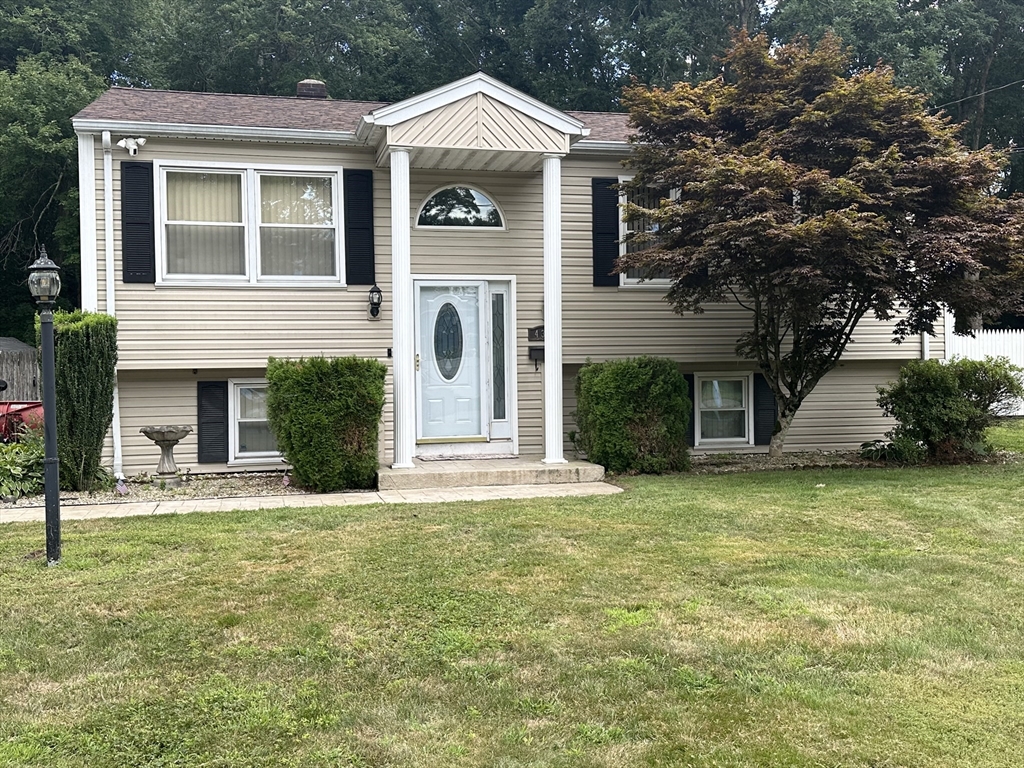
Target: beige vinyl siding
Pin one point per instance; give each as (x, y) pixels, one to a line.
(608, 323)
(170, 397)
(478, 122)
(175, 327)
(517, 251)
(841, 413)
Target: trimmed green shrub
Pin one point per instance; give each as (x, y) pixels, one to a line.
(325, 414)
(21, 465)
(85, 363)
(633, 415)
(946, 407)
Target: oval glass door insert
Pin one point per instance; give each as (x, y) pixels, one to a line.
(448, 341)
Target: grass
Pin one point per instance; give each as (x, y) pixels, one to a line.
(818, 618)
(1008, 435)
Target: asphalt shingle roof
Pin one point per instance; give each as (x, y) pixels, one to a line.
(232, 109)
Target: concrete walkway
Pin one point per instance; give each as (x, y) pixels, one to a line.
(29, 514)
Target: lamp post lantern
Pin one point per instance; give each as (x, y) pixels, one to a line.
(44, 283)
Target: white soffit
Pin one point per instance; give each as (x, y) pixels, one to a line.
(415, 106)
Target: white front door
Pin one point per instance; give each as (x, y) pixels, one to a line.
(452, 382)
(465, 367)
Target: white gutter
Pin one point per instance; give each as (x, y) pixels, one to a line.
(241, 132)
(87, 221)
(594, 147)
(926, 345)
(108, 299)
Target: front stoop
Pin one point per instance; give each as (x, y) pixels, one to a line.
(472, 473)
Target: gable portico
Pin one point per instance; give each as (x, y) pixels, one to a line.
(473, 124)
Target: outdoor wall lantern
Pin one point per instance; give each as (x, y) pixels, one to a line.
(44, 285)
(376, 299)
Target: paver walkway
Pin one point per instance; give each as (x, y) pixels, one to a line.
(28, 514)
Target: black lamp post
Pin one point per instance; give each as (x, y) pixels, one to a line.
(44, 283)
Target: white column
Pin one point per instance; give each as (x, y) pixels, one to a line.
(402, 313)
(552, 204)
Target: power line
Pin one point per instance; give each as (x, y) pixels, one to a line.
(968, 98)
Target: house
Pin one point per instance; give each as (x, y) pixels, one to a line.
(225, 229)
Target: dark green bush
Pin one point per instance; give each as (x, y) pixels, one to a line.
(325, 415)
(85, 362)
(21, 465)
(633, 415)
(946, 407)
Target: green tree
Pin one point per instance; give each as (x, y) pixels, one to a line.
(813, 198)
(956, 50)
(39, 178)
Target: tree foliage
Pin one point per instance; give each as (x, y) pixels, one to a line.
(813, 198)
(574, 54)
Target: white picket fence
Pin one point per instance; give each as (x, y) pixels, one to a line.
(1009, 344)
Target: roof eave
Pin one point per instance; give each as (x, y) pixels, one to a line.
(192, 131)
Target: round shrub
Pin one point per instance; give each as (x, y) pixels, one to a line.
(633, 415)
(325, 414)
(946, 407)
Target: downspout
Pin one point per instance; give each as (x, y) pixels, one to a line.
(108, 299)
(926, 345)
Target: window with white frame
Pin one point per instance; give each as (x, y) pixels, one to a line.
(723, 409)
(459, 206)
(250, 439)
(649, 199)
(230, 224)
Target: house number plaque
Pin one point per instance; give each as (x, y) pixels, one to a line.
(535, 334)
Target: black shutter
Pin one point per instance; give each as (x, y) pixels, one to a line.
(690, 434)
(212, 411)
(359, 267)
(605, 209)
(138, 248)
(766, 411)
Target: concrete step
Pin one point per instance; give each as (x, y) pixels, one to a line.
(475, 473)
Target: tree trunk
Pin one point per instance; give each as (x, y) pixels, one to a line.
(775, 446)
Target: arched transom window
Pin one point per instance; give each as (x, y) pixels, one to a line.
(459, 207)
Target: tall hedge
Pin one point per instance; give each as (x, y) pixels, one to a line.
(85, 362)
(325, 414)
(633, 415)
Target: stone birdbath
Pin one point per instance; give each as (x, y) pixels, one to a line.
(167, 437)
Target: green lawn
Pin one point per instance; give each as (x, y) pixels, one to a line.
(817, 618)
(1008, 435)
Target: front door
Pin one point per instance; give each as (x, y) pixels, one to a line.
(450, 362)
(465, 371)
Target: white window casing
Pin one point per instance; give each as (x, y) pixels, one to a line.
(708, 412)
(325, 232)
(483, 198)
(240, 414)
(625, 278)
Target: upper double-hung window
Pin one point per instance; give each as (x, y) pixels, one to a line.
(650, 199)
(250, 225)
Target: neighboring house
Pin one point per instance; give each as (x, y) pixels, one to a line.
(246, 227)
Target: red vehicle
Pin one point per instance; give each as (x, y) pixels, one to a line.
(16, 413)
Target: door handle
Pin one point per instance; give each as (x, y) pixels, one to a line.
(417, 361)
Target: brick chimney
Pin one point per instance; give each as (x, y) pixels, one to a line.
(311, 89)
